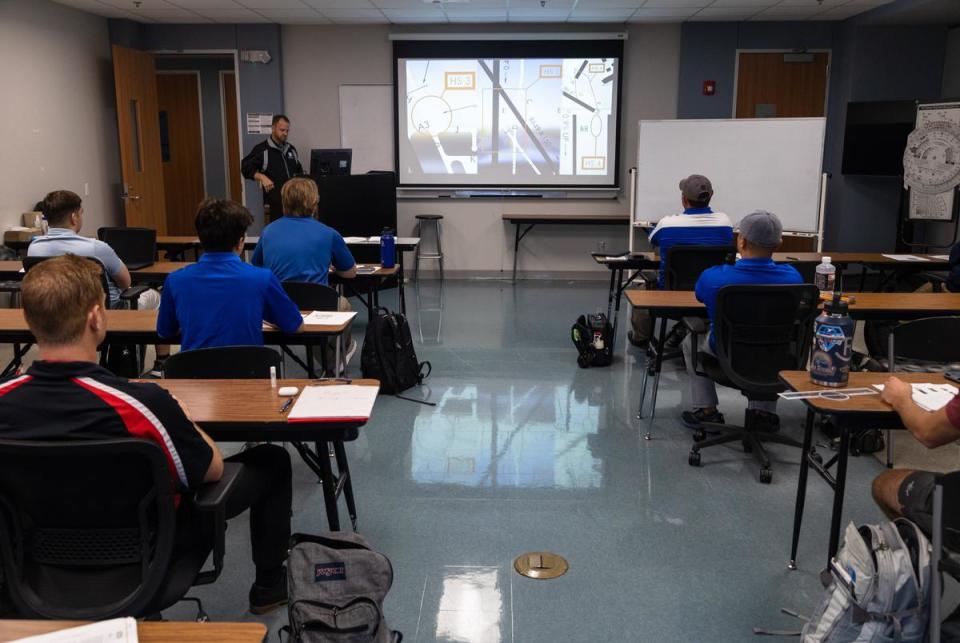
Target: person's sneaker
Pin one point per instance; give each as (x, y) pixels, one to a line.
(156, 371)
(766, 421)
(636, 341)
(266, 599)
(695, 419)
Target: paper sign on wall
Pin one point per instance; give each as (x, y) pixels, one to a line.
(259, 123)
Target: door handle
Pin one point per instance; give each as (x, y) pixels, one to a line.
(130, 196)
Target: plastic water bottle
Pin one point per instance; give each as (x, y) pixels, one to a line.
(826, 275)
(388, 249)
(832, 344)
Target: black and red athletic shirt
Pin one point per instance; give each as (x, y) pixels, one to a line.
(65, 400)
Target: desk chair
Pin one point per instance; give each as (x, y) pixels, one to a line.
(682, 268)
(136, 247)
(88, 529)
(759, 331)
(926, 345)
(946, 527)
(254, 362)
(128, 297)
(311, 296)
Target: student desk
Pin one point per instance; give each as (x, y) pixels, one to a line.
(854, 414)
(532, 220)
(675, 304)
(140, 327)
(249, 411)
(150, 631)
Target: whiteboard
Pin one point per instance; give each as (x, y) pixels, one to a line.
(366, 126)
(772, 164)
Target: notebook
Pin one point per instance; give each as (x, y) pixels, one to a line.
(117, 630)
(930, 397)
(334, 403)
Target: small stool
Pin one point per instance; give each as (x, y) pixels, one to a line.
(432, 221)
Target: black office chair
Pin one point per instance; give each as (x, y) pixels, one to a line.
(223, 363)
(88, 528)
(759, 331)
(136, 247)
(943, 559)
(682, 268)
(311, 296)
(925, 346)
(128, 297)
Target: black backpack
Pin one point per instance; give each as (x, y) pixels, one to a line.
(388, 354)
(591, 334)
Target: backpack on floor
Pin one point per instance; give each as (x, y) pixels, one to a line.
(591, 335)
(388, 354)
(336, 585)
(877, 587)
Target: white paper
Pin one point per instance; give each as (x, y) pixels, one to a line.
(906, 258)
(614, 258)
(328, 318)
(373, 239)
(366, 270)
(355, 239)
(941, 257)
(929, 396)
(117, 630)
(334, 402)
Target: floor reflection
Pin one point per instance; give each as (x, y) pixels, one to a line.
(429, 296)
(494, 434)
(471, 605)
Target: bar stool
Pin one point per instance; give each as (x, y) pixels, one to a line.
(427, 221)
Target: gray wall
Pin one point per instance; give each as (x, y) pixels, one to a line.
(58, 114)
(212, 115)
(261, 85)
(951, 66)
(476, 241)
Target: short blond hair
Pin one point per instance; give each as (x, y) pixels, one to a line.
(57, 296)
(300, 197)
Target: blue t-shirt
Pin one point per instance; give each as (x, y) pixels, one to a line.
(222, 301)
(64, 241)
(695, 227)
(301, 249)
(760, 272)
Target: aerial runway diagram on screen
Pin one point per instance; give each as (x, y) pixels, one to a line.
(507, 122)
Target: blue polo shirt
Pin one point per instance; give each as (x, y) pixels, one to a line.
(301, 249)
(760, 272)
(222, 301)
(695, 227)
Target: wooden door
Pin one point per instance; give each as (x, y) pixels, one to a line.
(231, 135)
(181, 148)
(139, 132)
(781, 85)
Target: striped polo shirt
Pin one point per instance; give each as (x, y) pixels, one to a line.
(83, 401)
(694, 227)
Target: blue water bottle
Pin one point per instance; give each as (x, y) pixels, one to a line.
(388, 249)
(832, 344)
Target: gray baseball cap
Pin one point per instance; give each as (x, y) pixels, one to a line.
(762, 229)
(696, 187)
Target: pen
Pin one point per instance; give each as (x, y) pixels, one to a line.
(333, 380)
(286, 405)
(793, 258)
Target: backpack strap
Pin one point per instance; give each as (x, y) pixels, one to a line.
(379, 314)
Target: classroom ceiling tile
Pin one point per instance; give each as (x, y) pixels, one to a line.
(272, 4)
(841, 13)
(590, 5)
(789, 11)
(600, 15)
(238, 15)
(744, 4)
(552, 5)
(538, 15)
(403, 4)
(724, 13)
(340, 4)
(294, 16)
(471, 14)
(193, 5)
(643, 14)
(675, 4)
(179, 16)
(97, 7)
(826, 4)
(406, 16)
(145, 4)
(355, 16)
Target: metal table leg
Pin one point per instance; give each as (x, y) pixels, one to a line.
(518, 237)
(801, 487)
(343, 471)
(838, 490)
(656, 378)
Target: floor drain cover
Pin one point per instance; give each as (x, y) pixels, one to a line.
(541, 564)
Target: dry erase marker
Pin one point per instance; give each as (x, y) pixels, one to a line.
(273, 377)
(286, 405)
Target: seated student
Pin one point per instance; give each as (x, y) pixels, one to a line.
(220, 300)
(66, 395)
(64, 214)
(760, 235)
(298, 247)
(906, 492)
(697, 225)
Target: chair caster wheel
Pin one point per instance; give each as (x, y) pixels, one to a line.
(816, 457)
(694, 459)
(747, 446)
(699, 435)
(766, 476)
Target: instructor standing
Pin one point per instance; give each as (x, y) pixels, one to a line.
(272, 163)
